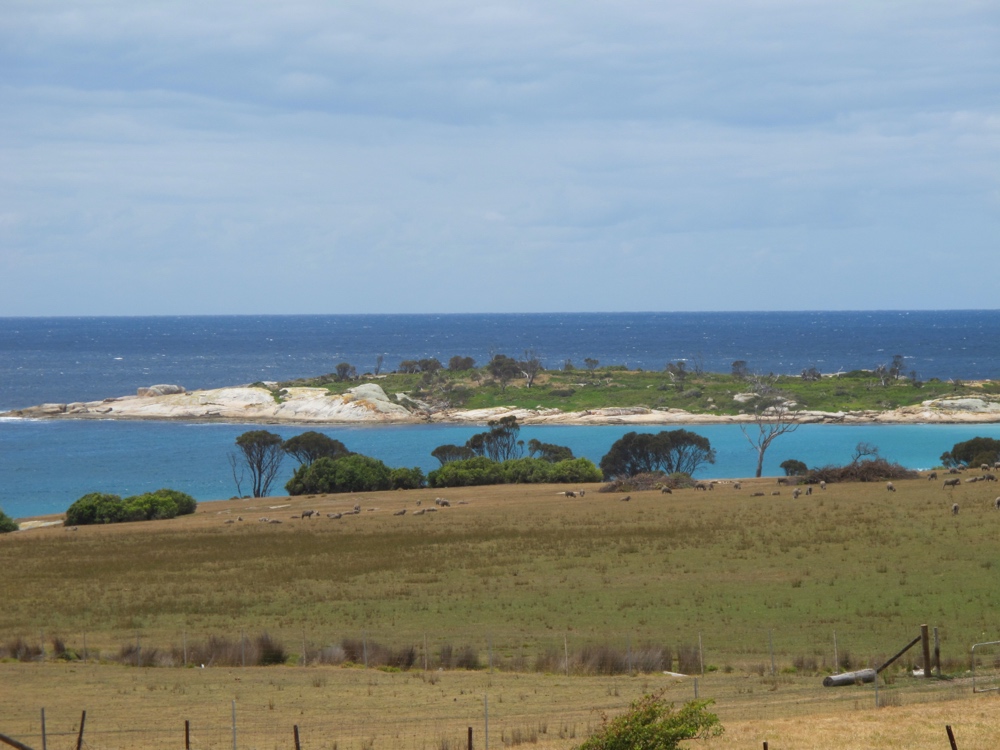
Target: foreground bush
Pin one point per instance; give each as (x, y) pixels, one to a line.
(99, 507)
(878, 470)
(652, 724)
(479, 471)
(6, 523)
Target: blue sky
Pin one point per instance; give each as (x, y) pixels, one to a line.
(454, 156)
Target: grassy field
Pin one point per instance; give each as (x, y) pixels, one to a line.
(519, 577)
(703, 392)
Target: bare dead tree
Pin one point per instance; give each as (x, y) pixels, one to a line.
(378, 363)
(530, 366)
(234, 464)
(772, 417)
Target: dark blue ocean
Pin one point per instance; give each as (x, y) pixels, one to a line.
(45, 466)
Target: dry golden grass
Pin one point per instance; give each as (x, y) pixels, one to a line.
(512, 573)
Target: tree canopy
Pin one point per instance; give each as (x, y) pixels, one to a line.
(668, 451)
(261, 453)
(309, 446)
(978, 450)
(650, 723)
(500, 442)
(7, 523)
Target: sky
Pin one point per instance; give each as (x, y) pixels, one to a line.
(374, 156)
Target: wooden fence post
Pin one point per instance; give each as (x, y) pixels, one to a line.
(44, 743)
(951, 737)
(926, 641)
(297, 745)
(79, 737)
(470, 738)
(187, 734)
(13, 743)
(937, 652)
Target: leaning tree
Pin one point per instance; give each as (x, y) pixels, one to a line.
(772, 417)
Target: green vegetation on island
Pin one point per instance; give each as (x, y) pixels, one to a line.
(526, 383)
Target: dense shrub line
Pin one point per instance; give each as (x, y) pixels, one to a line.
(481, 471)
(99, 507)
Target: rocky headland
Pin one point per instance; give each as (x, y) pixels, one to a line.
(369, 404)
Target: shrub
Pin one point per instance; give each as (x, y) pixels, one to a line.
(794, 468)
(407, 479)
(148, 507)
(471, 472)
(482, 471)
(877, 470)
(95, 507)
(354, 473)
(7, 523)
(186, 505)
(651, 723)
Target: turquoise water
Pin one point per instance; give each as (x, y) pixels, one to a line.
(47, 465)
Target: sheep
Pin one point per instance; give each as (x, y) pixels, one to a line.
(444, 504)
(420, 512)
(584, 492)
(274, 520)
(230, 521)
(890, 486)
(309, 513)
(951, 482)
(357, 508)
(996, 503)
(990, 478)
(795, 493)
(954, 509)
(776, 492)
(954, 470)
(932, 475)
(711, 485)
(809, 490)
(984, 467)
(996, 465)
(418, 503)
(334, 515)
(263, 519)
(782, 480)
(666, 491)
(757, 494)
(822, 485)
(626, 498)
(737, 486)
(401, 512)
(701, 486)
(972, 480)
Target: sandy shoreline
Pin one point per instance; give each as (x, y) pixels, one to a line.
(368, 404)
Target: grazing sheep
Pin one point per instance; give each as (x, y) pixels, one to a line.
(782, 480)
(809, 490)
(737, 486)
(890, 486)
(972, 480)
(309, 513)
(822, 485)
(666, 491)
(569, 493)
(274, 520)
(996, 465)
(431, 510)
(418, 503)
(401, 512)
(445, 504)
(984, 467)
(584, 492)
(357, 508)
(420, 512)
(795, 493)
(711, 485)
(333, 515)
(932, 475)
(230, 521)
(626, 498)
(263, 519)
(951, 482)
(757, 494)
(954, 470)
(996, 503)
(990, 478)
(701, 486)
(954, 509)
(776, 492)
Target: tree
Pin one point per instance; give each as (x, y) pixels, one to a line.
(500, 443)
(740, 370)
(7, 524)
(677, 372)
(309, 446)
(448, 453)
(260, 452)
(346, 371)
(568, 366)
(772, 417)
(668, 451)
(811, 375)
(549, 452)
(430, 365)
(378, 363)
(459, 364)
(503, 369)
(864, 450)
(591, 363)
(409, 366)
(973, 452)
(794, 468)
(896, 368)
(650, 723)
(530, 366)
